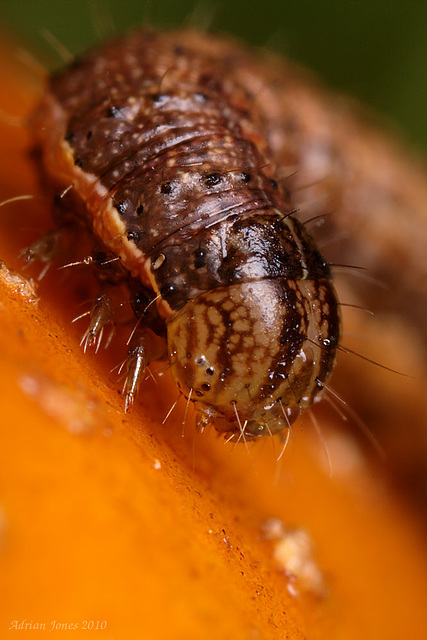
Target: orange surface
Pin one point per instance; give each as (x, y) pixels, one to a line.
(118, 518)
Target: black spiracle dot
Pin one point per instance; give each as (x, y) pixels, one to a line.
(246, 177)
(210, 371)
(274, 184)
(268, 388)
(113, 112)
(206, 386)
(138, 300)
(167, 290)
(212, 179)
(133, 235)
(200, 258)
(121, 208)
(89, 135)
(166, 188)
(140, 209)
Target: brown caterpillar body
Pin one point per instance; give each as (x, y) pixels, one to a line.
(175, 170)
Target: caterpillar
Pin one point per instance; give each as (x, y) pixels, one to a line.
(161, 146)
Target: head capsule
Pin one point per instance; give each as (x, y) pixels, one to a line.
(254, 354)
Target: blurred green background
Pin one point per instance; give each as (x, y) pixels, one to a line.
(374, 50)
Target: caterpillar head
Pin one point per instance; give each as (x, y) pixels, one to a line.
(253, 355)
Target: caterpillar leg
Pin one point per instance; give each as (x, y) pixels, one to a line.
(145, 347)
(45, 249)
(100, 316)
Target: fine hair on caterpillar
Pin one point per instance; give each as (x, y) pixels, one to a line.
(155, 149)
